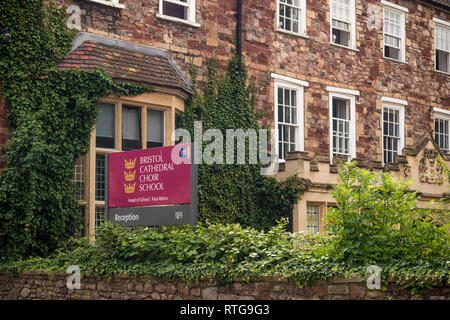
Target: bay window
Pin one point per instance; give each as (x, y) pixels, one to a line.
(121, 125)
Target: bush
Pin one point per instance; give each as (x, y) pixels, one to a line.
(377, 221)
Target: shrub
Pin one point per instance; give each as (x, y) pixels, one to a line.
(377, 221)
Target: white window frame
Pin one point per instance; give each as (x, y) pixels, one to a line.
(111, 3)
(444, 25)
(396, 104)
(444, 115)
(191, 5)
(350, 95)
(402, 12)
(352, 40)
(302, 17)
(298, 86)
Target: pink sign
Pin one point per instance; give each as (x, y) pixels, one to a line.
(150, 177)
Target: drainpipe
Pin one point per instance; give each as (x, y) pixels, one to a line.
(239, 35)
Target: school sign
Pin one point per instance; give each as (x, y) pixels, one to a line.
(152, 187)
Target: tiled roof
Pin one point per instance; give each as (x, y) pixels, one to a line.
(126, 62)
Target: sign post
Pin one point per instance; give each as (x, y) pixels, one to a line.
(152, 187)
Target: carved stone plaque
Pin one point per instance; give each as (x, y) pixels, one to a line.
(429, 170)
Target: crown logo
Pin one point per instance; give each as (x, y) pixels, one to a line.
(129, 164)
(129, 176)
(129, 188)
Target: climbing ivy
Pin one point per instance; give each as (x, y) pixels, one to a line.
(235, 193)
(51, 116)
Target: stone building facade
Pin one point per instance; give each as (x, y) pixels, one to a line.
(350, 79)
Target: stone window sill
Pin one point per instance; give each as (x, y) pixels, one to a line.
(344, 47)
(169, 18)
(442, 72)
(109, 3)
(399, 61)
(301, 35)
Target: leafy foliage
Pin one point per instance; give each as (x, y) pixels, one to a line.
(235, 193)
(51, 116)
(377, 221)
(221, 252)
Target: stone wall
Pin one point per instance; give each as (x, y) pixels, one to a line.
(310, 58)
(39, 285)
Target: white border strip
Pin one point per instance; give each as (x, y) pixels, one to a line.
(443, 22)
(342, 90)
(442, 111)
(394, 6)
(289, 79)
(395, 101)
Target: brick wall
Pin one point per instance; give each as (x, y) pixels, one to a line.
(39, 285)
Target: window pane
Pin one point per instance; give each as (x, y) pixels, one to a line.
(441, 133)
(175, 10)
(155, 127)
(341, 10)
(106, 126)
(100, 177)
(131, 128)
(289, 12)
(312, 218)
(79, 177)
(442, 38)
(99, 216)
(392, 53)
(391, 134)
(339, 108)
(340, 37)
(442, 61)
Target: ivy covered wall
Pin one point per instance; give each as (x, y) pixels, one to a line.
(51, 116)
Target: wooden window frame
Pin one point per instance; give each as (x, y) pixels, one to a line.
(349, 95)
(297, 86)
(388, 6)
(302, 19)
(401, 108)
(191, 5)
(438, 23)
(352, 31)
